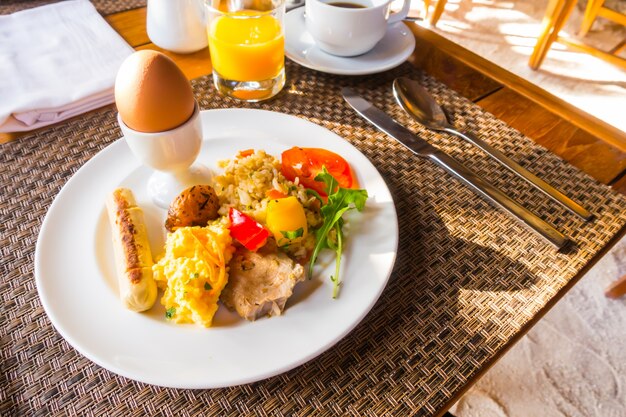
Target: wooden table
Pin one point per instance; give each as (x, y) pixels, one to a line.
(457, 68)
(605, 162)
(548, 125)
(551, 125)
(590, 146)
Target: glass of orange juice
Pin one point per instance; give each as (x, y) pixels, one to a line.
(247, 46)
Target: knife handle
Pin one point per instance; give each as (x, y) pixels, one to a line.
(522, 172)
(494, 195)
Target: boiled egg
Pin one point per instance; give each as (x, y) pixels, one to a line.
(152, 94)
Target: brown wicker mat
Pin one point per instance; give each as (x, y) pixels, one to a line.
(105, 7)
(466, 280)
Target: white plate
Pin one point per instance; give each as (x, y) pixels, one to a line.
(75, 274)
(391, 51)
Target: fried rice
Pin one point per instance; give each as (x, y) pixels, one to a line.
(245, 183)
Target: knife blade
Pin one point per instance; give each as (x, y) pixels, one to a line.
(481, 187)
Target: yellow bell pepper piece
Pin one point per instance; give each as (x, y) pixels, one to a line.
(286, 220)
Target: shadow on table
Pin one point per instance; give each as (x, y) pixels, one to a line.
(421, 341)
(425, 337)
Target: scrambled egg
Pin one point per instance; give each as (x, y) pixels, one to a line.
(193, 272)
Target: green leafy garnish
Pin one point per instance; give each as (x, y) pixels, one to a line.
(292, 234)
(169, 313)
(315, 194)
(207, 286)
(339, 202)
(195, 275)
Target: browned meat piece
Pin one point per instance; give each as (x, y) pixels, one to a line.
(195, 206)
(260, 283)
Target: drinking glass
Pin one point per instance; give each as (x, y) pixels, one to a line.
(247, 46)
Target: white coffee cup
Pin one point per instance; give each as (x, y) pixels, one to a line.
(346, 31)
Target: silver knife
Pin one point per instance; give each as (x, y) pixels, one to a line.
(404, 87)
(422, 148)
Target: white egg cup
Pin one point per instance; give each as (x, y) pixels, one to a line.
(171, 154)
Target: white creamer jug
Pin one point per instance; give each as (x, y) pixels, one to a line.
(177, 25)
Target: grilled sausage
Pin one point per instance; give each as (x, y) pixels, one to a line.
(133, 258)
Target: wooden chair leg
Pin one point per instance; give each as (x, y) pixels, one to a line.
(591, 13)
(439, 7)
(552, 11)
(598, 53)
(426, 7)
(560, 21)
(567, 10)
(619, 48)
(617, 17)
(617, 289)
(553, 23)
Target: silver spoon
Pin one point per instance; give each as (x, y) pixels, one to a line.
(420, 105)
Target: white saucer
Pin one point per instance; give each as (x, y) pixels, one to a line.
(391, 51)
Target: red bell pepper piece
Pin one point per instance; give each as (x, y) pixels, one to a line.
(247, 231)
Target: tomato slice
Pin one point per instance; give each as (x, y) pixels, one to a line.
(274, 194)
(306, 163)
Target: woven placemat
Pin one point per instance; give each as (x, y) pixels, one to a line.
(105, 7)
(466, 279)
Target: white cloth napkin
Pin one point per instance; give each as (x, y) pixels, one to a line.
(56, 61)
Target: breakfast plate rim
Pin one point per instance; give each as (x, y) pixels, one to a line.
(51, 306)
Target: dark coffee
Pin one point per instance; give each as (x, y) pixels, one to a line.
(346, 5)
